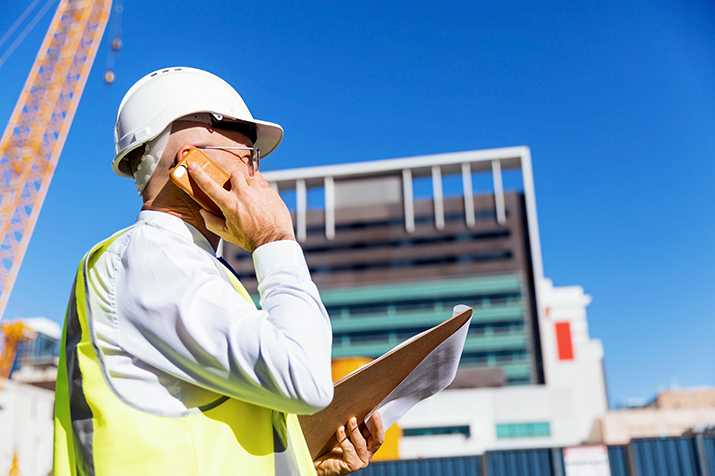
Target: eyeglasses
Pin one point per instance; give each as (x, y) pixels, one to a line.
(253, 160)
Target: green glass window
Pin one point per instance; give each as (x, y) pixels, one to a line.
(523, 430)
(438, 430)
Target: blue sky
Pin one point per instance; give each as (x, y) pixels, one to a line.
(615, 99)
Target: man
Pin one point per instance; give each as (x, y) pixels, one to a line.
(166, 365)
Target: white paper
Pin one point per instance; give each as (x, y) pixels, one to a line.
(432, 375)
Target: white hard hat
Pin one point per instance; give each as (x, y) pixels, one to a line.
(160, 98)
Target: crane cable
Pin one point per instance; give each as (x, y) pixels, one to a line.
(38, 16)
(17, 22)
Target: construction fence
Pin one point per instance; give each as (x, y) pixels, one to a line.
(683, 456)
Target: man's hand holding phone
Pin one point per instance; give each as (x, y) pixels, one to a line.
(254, 213)
(181, 178)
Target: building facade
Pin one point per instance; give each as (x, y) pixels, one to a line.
(393, 245)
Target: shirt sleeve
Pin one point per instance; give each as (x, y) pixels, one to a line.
(181, 316)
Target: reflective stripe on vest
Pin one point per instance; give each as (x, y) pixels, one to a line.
(99, 433)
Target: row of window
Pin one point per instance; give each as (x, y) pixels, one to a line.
(389, 335)
(424, 304)
(523, 430)
(397, 243)
(499, 357)
(414, 262)
(507, 430)
(437, 430)
(499, 255)
(400, 222)
(408, 242)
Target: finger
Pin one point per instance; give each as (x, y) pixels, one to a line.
(377, 432)
(259, 178)
(345, 446)
(350, 457)
(358, 440)
(213, 223)
(341, 436)
(206, 183)
(239, 181)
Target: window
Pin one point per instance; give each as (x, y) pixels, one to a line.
(437, 430)
(371, 309)
(523, 430)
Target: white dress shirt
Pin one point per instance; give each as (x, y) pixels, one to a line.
(175, 334)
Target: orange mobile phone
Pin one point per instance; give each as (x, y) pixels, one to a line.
(182, 178)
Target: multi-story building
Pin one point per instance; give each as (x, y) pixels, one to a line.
(39, 355)
(393, 245)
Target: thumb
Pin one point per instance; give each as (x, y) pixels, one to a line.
(213, 223)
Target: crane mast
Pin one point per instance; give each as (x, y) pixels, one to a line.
(34, 137)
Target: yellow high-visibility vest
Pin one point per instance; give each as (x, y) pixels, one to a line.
(99, 433)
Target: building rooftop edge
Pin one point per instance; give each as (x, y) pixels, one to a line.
(375, 166)
(43, 325)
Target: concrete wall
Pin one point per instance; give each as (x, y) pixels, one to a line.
(690, 398)
(583, 375)
(619, 427)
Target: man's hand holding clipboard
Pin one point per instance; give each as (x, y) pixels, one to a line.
(393, 383)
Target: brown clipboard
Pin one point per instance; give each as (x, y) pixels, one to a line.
(360, 392)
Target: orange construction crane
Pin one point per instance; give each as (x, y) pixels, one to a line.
(15, 468)
(40, 122)
(13, 333)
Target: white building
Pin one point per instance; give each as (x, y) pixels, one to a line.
(26, 426)
(27, 403)
(564, 411)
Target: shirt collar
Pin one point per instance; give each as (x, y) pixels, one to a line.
(175, 225)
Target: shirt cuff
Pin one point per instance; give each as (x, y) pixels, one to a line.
(279, 256)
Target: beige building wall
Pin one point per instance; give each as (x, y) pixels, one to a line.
(620, 427)
(671, 413)
(691, 398)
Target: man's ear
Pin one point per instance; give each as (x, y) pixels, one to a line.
(183, 150)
